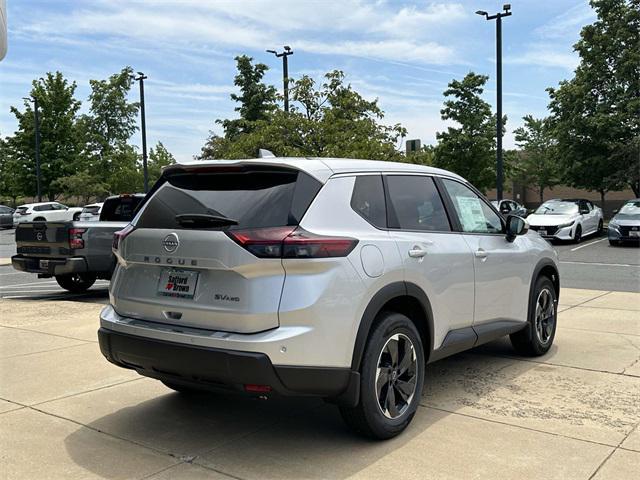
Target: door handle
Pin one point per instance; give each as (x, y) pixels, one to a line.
(481, 253)
(417, 252)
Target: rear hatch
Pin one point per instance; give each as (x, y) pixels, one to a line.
(184, 260)
(43, 239)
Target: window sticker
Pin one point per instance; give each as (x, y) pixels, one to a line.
(471, 214)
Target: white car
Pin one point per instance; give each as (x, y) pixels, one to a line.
(567, 219)
(329, 277)
(45, 212)
(91, 212)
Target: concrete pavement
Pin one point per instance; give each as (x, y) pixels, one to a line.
(574, 413)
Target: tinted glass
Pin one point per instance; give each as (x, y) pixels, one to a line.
(119, 209)
(252, 198)
(91, 210)
(58, 206)
(557, 207)
(474, 214)
(415, 204)
(43, 208)
(368, 200)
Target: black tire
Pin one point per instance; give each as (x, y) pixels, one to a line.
(368, 418)
(39, 219)
(537, 339)
(600, 228)
(614, 243)
(76, 216)
(577, 237)
(76, 282)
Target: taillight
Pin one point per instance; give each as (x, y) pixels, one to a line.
(120, 235)
(291, 242)
(75, 238)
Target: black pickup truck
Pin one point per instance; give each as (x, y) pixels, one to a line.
(75, 253)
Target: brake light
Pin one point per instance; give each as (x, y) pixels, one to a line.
(120, 235)
(291, 242)
(75, 238)
(252, 388)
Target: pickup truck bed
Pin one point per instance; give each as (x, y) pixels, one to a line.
(75, 253)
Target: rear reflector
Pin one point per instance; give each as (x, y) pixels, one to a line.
(75, 238)
(120, 235)
(249, 387)
(291, 242)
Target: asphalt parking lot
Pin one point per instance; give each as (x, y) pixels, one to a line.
(66, 413)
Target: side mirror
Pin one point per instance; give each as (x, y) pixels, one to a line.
(615, 212)
(516, 226)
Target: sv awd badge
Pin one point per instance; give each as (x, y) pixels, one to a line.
(225, 298)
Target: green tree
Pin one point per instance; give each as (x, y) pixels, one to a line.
(538, 162)
(106, 130)
(158, 158)
(468, 148)
(329, 120)
(596, 115)
(58, 142)
(10, 171)
(84, 185)
(256, 100)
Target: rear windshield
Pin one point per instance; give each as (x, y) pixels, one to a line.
(119, 209)
(22, 209)
(252, 198)
(91, 210)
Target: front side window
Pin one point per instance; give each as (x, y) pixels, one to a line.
(415, 204)
(368, 200)
(474, 214)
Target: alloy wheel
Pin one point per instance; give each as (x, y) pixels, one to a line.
(396, 376)
(545, 316)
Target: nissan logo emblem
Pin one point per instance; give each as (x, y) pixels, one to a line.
(171, 242)
(39, 236)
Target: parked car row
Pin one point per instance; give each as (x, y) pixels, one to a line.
(333, 278)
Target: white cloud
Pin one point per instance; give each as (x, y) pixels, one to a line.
(568, 23)
(545, 55)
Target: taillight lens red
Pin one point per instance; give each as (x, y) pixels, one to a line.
(75, 238)
(291, 242)
(120, 234)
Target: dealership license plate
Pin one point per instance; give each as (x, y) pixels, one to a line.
(178, 283)
(634, 234)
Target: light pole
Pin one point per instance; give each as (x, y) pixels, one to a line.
(36, 116)
(141, 78)
(285, 72)
(498, 18)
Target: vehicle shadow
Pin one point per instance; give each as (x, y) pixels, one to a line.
(284, 438)
(93, 295)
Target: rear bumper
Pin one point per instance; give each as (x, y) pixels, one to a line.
(214, 368)
(55, 266)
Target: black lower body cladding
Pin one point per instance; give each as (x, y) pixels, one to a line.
(210, 368)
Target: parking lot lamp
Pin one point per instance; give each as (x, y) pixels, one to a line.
(36, 115)
(285, 72)
(141, 78)
(498, 18)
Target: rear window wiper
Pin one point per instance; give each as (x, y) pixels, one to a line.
(204, 220)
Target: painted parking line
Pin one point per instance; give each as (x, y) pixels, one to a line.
(602, 264)
(588, 244)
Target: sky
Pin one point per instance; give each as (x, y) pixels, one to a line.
(401, 52)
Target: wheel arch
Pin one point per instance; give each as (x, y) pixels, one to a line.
(402, 297)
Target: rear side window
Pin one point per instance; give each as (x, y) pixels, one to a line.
(120, 209)
(252, 198)
(43, 208)
(415, 204)
(368, 200)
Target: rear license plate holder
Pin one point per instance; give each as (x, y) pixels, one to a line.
(178, 283)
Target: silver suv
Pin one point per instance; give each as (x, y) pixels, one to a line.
(325, 277)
